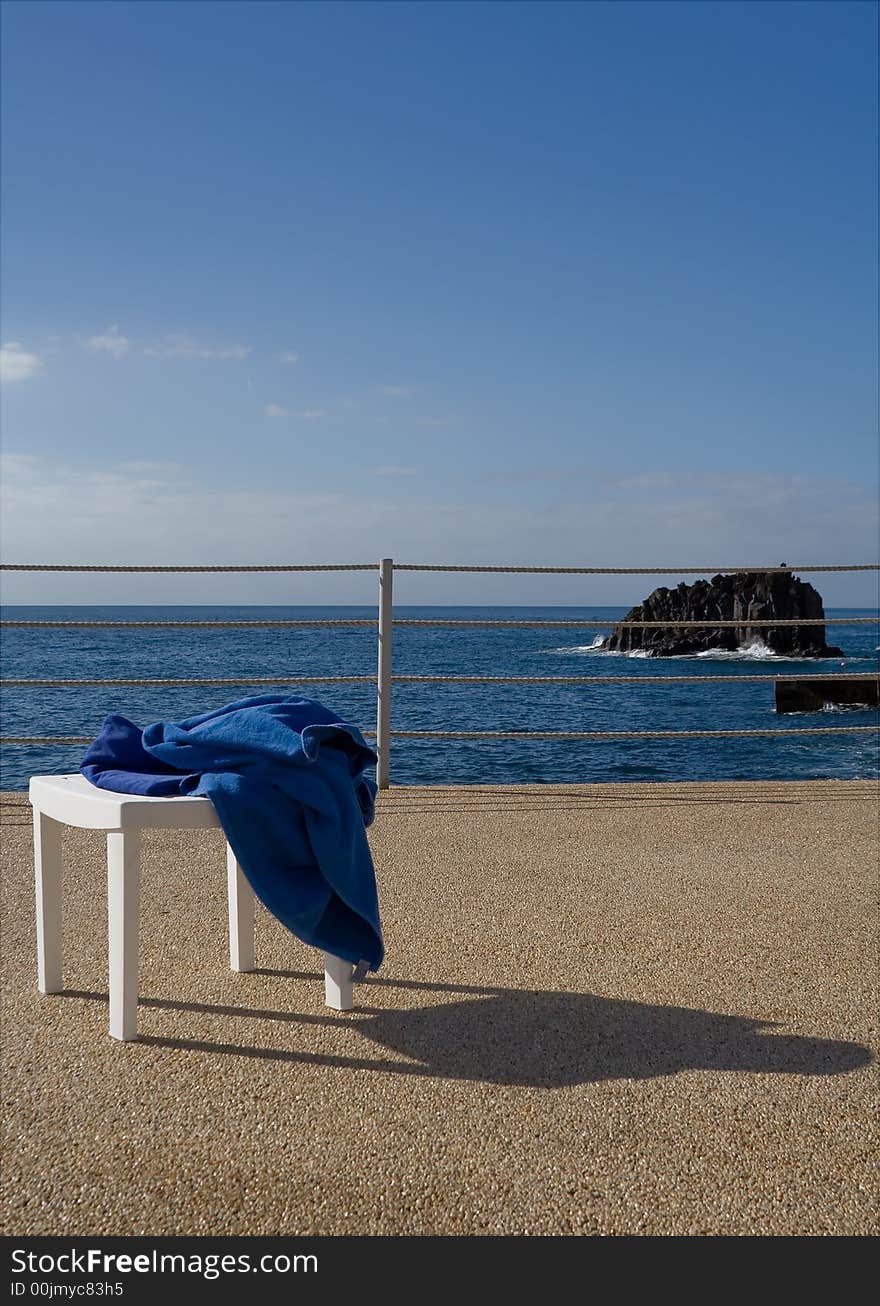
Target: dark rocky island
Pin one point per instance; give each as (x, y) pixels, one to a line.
(744, 597)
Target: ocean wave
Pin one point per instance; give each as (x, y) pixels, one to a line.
(581, 648)
(755, 651)
(834, 709)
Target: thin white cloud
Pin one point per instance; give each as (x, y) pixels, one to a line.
(396, 391)
(55, 512)
(110, 341)
(41, 484)
(393, 470)
(152, 468)
(305, 415)
(651, 481)
(180, 346)
(19, 464)
(287, 358)
(16, 364)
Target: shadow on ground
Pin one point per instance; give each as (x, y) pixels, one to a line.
(542, 1039)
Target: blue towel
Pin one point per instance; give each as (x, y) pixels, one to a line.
(286, 776)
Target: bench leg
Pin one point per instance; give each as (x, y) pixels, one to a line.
(47, 884)
(338, 986)
(242, 910)
(123, 910)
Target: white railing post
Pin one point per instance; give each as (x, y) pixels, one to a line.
(383, 682)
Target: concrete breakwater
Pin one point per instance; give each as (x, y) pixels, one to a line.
(813, 693)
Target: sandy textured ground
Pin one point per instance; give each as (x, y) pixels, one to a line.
(640, 1009)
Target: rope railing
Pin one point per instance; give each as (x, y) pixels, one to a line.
(628, 734)
(752, 623)
(625, 680)
(533, 734)
(430, 566)
(89, 567)
(387, 621)
(742, 623)
(631, 571)
(131, 681)
(184, 625)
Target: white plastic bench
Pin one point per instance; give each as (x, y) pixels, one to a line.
(71, 800)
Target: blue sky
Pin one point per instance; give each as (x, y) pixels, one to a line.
(569, 283)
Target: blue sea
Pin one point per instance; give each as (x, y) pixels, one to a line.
(71, 654)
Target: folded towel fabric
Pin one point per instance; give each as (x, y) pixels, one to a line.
(286, 776)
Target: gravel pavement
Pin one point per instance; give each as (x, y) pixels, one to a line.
(639, 1009)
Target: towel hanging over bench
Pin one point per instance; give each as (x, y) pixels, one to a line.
(286, 776)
